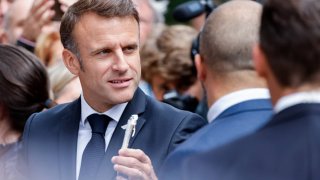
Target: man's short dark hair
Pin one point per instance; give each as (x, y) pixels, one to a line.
(290, 39)
(105, 8)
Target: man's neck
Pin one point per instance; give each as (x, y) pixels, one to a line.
(219, 87)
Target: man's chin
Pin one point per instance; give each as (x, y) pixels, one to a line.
(122, 98)
(123, 95)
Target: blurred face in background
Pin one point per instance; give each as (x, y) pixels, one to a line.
(160, 86)
(15, 17)
(4, 6)
(146, 19)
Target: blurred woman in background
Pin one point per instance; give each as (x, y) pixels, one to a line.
(24, 90)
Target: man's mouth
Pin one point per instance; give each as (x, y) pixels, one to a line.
(119, 81)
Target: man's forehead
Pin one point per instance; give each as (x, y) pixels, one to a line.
(90, 15)
(84, 24)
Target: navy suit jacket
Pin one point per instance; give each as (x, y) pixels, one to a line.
(287, 148)
(50, 137)
(235, 122)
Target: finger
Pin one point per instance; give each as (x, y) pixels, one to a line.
(132, 173)
(43, 10)
(64, 8)
(38, 4)
(145, 165)
(127, 161)
(136, 153)
(132, 162)
(46, 18)
(64, 5)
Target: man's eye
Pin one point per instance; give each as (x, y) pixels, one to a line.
(104, 52)
(130, 49)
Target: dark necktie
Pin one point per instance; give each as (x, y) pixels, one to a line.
(95, 149)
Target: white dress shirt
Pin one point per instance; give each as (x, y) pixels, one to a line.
(85, 134)
(297, 98)
(235, 98)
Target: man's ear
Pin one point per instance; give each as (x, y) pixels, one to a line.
(71, 62)
(201, 68)
(260, 61)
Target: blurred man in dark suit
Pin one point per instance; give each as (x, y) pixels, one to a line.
(288, 147)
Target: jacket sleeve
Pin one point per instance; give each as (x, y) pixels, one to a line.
(189, 125)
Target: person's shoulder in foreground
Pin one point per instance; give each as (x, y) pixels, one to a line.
(288, 146)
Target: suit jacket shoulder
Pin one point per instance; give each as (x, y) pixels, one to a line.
(50, 141)
(286, 148)
(52, 117)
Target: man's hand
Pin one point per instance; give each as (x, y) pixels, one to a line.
(39, 15)
(135, 164)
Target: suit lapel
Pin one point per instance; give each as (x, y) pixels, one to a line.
(135, 106)
(68, 138)
(139, 126)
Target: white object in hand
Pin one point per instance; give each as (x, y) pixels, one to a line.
(130, 130)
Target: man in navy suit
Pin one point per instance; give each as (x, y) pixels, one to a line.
(288, 147)
(239, 101)
(101, 40)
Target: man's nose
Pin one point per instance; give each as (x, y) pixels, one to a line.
(120, 62)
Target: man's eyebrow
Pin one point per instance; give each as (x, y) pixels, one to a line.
(133, 44)
(95, 51)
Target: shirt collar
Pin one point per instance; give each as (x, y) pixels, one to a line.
(234, 98)
(297, 98)
(115, 112)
